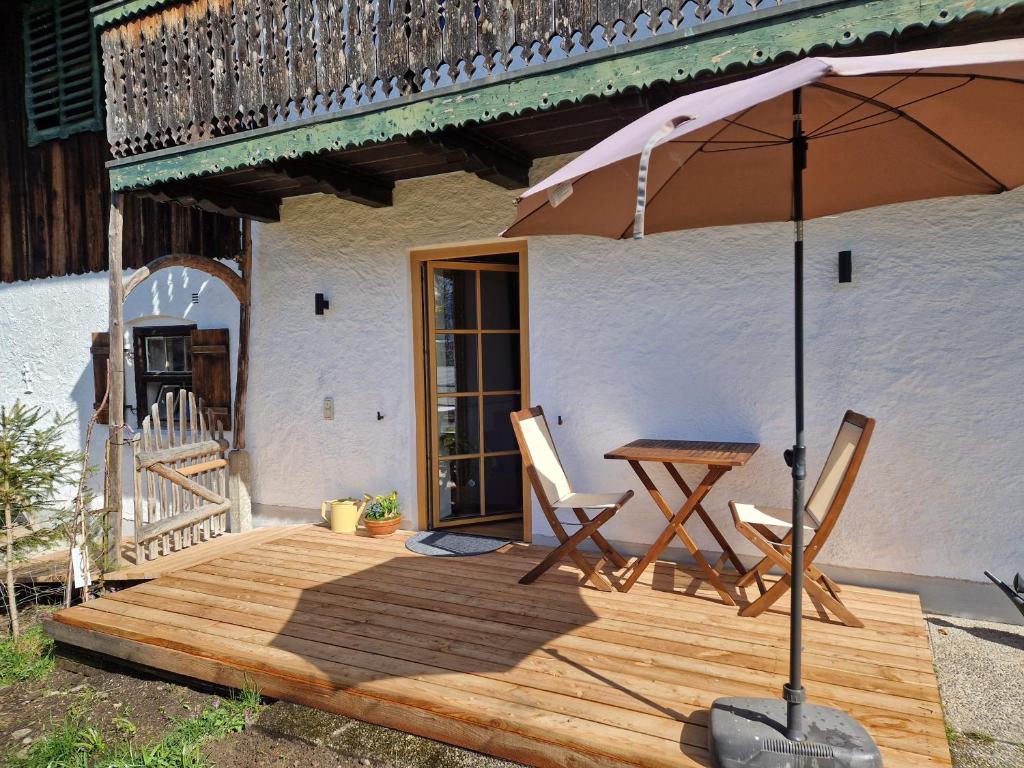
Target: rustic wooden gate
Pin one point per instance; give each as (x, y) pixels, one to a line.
(181, 483)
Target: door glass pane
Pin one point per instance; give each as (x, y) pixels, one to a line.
(498, 434)
(501, 361)
(458, 425)
(454, 299)
(504, 484)
(456, 362)
(499, 300)
(459, 483)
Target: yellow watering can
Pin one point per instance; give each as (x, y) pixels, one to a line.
(342, 514)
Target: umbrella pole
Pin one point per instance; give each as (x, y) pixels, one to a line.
(745, 731)
(793, 691)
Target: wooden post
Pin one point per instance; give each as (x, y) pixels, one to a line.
(242, 369)
(115, 484)
(239, 468)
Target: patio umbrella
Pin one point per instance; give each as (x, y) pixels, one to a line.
(817, 137)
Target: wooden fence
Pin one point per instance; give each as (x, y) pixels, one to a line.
(181, 482)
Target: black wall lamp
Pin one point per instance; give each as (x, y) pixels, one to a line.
(320, 304)
(846, 266)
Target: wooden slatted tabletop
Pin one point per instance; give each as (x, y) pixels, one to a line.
(707, 453)
(550, 674)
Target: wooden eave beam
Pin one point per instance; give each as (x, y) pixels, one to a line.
(331, 178)
(491, 161)
(218, 200)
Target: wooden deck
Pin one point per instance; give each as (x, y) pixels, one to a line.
(553, 674)
(51, 568)
(219, 546)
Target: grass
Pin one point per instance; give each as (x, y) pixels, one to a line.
(76, 744)
(984, 738)
(28, 657)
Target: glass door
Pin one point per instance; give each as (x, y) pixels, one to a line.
(474, 383)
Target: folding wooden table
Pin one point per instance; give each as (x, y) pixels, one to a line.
(719, 458)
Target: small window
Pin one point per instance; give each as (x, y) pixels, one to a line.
(163, 364)
(168, 354)
(62, 94)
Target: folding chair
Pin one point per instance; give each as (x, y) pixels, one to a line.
(1015, 593)
(554, 492)
(823, 508)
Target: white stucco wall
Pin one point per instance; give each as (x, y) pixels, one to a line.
(46, 330)
(677, 336)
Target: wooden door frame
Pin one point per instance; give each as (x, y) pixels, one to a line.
(465, 250)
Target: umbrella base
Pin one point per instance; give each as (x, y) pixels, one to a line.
(750, 733)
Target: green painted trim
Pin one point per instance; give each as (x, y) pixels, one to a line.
(106, 14)
(753, 38)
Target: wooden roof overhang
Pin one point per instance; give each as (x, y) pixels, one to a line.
(496, 126)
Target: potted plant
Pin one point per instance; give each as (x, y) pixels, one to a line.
(381, 514)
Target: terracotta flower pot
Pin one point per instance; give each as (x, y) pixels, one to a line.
(380, 528)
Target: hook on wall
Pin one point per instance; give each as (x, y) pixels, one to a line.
(380, 416)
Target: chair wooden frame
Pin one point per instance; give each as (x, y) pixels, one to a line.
(589, 526)
(819, 587)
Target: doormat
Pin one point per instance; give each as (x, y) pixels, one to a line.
(444, 544)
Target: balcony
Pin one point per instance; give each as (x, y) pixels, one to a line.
(266, 99)
(193, 71)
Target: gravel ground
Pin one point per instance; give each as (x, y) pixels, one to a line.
(980, 666)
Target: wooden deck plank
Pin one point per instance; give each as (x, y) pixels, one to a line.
(302, 660)
(549, 670)
(494, 577)
(693, 641)
(519, 601)
(870, 677)
(520, 558)
(516, 556)
(456, 594)
(198, 553)
(607, 657)
(736, 680)
(550, 674)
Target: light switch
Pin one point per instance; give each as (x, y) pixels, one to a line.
(329, 408)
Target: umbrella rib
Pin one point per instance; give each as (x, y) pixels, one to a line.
(818, 132)
(921, 73)
(738, 124)
(917, 123)
(744, 149)
(857, 105)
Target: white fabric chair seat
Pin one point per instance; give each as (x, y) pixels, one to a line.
(772, 517)
(589, 501)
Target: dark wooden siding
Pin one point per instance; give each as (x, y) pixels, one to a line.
(54, 197)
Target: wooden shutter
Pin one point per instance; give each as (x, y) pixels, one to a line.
(100, 351)
(61, 70)
(211, 373)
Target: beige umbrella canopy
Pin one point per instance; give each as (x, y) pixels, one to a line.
(880, 129)
(818, 137)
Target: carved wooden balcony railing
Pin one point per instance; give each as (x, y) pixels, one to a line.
(192, 71)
